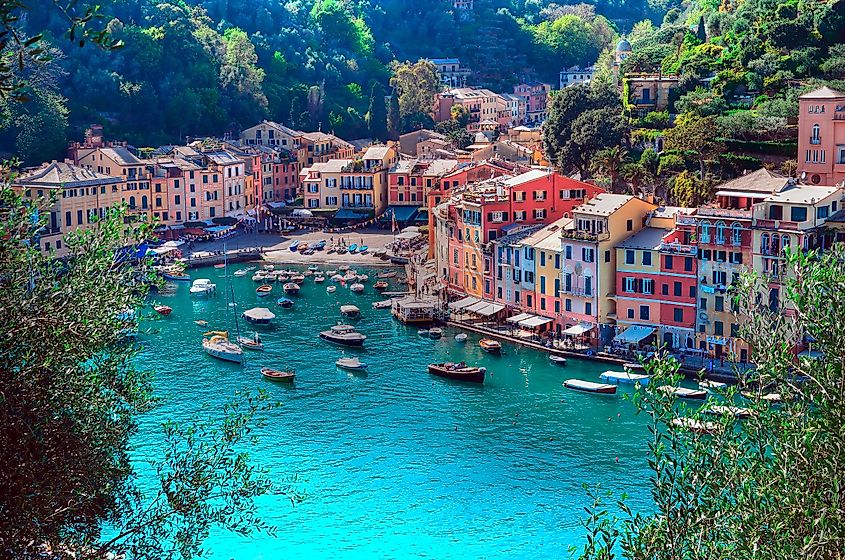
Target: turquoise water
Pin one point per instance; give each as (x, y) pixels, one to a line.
(398, 463)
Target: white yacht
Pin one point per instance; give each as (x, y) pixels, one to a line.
(202, 287)
(345, 335)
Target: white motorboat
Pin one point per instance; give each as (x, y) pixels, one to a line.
(351, 364)
(357, 288)
(259, 316)
(462, 337)
(435, 332)
(331, 289)
(244, 271)
(345, 335)
(590, 387)
(626, 378)
(202, 287)
(222, 348)
(423, 332)
(384, 304)
(350, 311)
(259, 276)
(291, 288)
(559, 360)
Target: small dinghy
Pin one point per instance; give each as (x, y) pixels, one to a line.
(380, 285)
(696, 426)
(363, 249)
(343, 268)
(357, 288)
(331, 289)
(490, 345)
(559, 360)
(219, 265)
(352, 248)
(278, 375)
(725, 410)
(435, 333)
(684, 393)
(384, 304)
(461, 337)
(163, 309)
(618, 378)
(590, 387)
(285, 303)
(709, 385)
(253, 343)
(458, 372)
(319, 279)
(294, 246)
(263, 290)
(201, 323)
(291, 288)
(351, 364)
(383, 275)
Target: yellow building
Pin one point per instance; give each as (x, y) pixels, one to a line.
(82, 197)
(118, 161)
(548, 262)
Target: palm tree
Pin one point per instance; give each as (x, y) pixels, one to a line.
(637, 175)
(609, 162)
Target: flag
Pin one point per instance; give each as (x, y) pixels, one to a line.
(393, 227)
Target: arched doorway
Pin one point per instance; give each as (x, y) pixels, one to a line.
(667, 340)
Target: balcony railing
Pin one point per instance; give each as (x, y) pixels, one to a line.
(775, 224)
(576, 291)
(678, 248)
(724, 212)
(579, 235)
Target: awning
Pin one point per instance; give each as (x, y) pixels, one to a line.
(534, 321)
(461, 303)
(408, 235)
(518, 318)
(347, 214)
(742, 194)
(576, 330)
(485, 308)
(634, 334)
(402, 213)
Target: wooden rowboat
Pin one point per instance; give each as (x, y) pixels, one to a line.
(163, 309)
(278, 375)
(590, 387)
(264, 290)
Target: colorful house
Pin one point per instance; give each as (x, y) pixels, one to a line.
(821, 136)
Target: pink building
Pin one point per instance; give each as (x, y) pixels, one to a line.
(536, 97)
(821, 137)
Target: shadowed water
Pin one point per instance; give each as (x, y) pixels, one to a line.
(398, 463)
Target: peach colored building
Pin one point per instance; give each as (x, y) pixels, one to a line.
(117, 160)
(83, 197)
(821, 137)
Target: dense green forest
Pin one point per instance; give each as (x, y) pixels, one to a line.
(201, 67)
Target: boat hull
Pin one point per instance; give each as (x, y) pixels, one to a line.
(470, 375)
(225, 356)
(588, 387)
(355, 342)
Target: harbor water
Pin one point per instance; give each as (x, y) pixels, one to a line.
(397, 463)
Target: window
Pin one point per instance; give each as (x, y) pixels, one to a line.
(703, 304)
(693, 291)
(557, 261)
(543, 285)
(629, 257)
(734, 330)
(644, 312)
(587, 254)
(646, 258)
(677, 289)
(567, 304)
(588, 308)
(629, 225)
(705, 233)
(678, 314)
(648, 286)
(630, 312)
(670, 262)
(736, 234)
(799, 214)
(720, 233)
(607, 256)
(588, 285)
(815, 137)
(822, 212)
(718, 328)
(720, 303)
(665, 289)
(628, 284)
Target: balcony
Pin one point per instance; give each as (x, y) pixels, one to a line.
(576, 291)
(684, 220)
(579, 235)
(736, 213)
(774, 224)
(357, 205)
(678, 249)
(348, 187)
(814, 140)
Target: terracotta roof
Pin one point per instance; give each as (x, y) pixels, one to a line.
(823, 92)
(62, 174)
(763, 181)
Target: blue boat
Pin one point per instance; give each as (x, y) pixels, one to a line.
(352, 248)
(294, 246)
(320, 245)
(363, 249)
(285, 302)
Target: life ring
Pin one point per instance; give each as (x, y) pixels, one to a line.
(589, 352)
